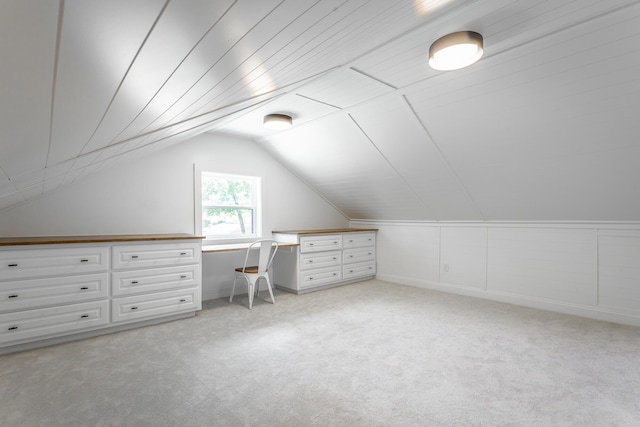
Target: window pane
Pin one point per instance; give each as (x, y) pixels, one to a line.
(227, 221)
(226, 191)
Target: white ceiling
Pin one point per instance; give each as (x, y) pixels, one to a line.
(543, 127)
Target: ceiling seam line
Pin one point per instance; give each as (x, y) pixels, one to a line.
(124, 77)
(415, 193)
(318, 101)
(209, 70)
(243, 85)
(174, 71)
(55, 79)
(415, 115)
(101, 149)
(355, 70)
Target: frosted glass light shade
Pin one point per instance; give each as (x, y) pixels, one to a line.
(278, 121)
(456, 50)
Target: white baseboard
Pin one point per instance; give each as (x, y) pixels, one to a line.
(590, 312)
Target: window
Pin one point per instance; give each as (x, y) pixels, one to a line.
(230, 206)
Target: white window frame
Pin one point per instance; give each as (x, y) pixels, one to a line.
(256, 205)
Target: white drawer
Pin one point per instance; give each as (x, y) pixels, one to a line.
(157, 279)
(320, 277)
(156, 255)
(350, 256)
(363, 269)
(155, 305)
(45, 322)
(23, 263)
(23, 294)
(319, 260)
(326, 242)
(359, 240)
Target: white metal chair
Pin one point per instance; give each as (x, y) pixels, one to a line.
(252, 274)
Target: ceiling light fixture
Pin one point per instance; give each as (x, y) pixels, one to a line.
(278, 121)
(456, 50)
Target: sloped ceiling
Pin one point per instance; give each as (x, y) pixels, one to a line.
(543, 127)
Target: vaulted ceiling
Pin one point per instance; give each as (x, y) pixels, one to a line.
(544, 127)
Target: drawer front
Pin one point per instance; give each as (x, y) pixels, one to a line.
(359, 240)
(157, 279)
(327, 242)
(350, 256)
(324, 276)
(319, 260)
(24, 294)
(45, 322)
(363, 269)
(158, 255)
(16, 264)
(155, 305)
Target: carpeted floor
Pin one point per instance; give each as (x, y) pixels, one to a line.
(367, 354)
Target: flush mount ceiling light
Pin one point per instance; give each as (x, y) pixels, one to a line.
(455, 50)
(278, 121)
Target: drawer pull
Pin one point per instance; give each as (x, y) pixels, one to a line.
(183, 300)
(12, 328)
(13, 296)
(184, 276)
(335, 274)
(310, 244)
(84, 288)
(350, 241)
(84, 316)
(182, 253)
(350, 271)
(334, 258)
(310, 260)
(134, 256)
(335, 243)
(134, 282)
(84, 260)
(310, 278)
(12, 265)
(134, 308)
(350, 256)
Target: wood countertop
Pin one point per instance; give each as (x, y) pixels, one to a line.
(326, 231)
(56, 240)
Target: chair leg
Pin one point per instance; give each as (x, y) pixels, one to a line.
(233, 289)
(273, 300)
(251, 287)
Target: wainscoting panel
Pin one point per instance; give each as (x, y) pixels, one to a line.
(584, 269)
(619, 273)
(464, 256)
(409, 253)
(553, 264)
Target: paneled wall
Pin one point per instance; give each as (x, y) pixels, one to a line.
(155, 194)
(586, 269)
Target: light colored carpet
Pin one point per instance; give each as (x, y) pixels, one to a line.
(368, 354)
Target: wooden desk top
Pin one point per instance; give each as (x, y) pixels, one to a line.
(55, 240)
(326, 231)
(237, 247)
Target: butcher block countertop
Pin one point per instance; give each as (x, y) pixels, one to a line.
(57, 240)
(327, 231)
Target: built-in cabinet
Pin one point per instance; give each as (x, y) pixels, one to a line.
(72, 287)
(324, 258)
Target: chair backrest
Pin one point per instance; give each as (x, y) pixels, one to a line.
(265, 257)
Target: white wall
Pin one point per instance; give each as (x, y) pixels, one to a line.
(155, 194)
(586, 269)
